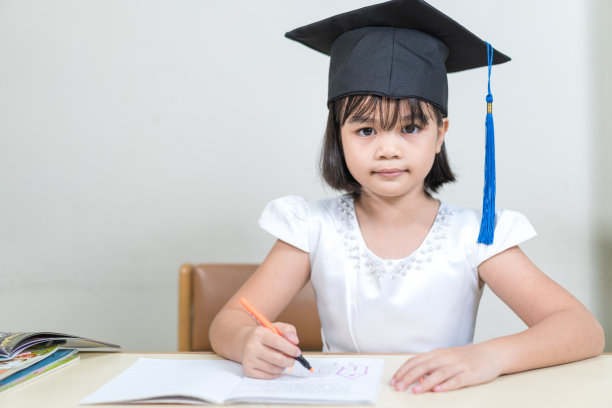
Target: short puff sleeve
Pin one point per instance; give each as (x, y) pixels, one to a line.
(511, 228)
(287, 219)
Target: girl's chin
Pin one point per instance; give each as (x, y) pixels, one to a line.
(390, 193)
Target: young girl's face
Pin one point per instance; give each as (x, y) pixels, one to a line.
(391, 161)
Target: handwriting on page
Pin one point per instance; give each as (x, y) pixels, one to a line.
(291, 388)
(329, 378)
(323, 369)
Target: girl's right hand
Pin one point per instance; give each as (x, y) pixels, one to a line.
(266, 354)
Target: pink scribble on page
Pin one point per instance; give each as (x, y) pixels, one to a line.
(353, 372)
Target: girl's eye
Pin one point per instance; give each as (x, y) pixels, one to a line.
(410, 129)
(366, 132)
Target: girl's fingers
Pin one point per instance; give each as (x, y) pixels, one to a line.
(453, 383)
(268, 361)
(267, 355)
(405, 368)
(411, 371)
(279, 359)
(435, 378)
(288, 331)
(260, 372)
(276, 342)
(268, 365)
(446, 369)
(417, 375)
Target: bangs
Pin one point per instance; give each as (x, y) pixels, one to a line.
(390, 111)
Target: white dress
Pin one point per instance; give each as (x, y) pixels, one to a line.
(367, 304)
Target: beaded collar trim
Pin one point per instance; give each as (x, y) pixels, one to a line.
(364, 261)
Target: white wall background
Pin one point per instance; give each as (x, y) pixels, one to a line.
(601, 39)
(138, 135)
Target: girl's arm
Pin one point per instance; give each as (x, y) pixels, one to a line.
(235, 335)
(560, 330)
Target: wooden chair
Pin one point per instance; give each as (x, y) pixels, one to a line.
(205, 288)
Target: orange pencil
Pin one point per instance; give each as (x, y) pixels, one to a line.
(261, 319)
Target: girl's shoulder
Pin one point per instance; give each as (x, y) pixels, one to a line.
(469, 218)
(511, 228)
(303, 209)
(295, 220)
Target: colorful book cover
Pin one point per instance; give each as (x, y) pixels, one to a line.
(12, 344)
(25, 359)
(60, 358)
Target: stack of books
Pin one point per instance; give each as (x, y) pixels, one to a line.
(25, 356)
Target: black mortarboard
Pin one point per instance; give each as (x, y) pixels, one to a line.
(398, 49)
(401, 49)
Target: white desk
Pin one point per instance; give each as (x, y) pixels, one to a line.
(585, 384)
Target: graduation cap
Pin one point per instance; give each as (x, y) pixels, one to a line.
(404, 49)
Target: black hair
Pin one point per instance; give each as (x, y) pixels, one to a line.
(332, 163)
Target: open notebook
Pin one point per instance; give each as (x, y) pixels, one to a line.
(335, 381)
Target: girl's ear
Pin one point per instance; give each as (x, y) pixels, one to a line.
(441, 134)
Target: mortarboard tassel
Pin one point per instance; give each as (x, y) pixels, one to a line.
(487, 224)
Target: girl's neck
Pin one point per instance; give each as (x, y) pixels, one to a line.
(396, 211)
(394, 228)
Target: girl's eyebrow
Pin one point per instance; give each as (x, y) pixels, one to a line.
(368, 119)
(360, 119)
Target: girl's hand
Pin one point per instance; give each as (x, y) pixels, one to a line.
(447, 369)
(266, 354)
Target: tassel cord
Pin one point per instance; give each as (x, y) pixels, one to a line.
(487, 224)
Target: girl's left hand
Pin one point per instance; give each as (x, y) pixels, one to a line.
(447, 369)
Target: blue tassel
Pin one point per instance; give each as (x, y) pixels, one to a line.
(487, 224)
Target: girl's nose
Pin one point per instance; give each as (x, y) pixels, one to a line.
(388, 147)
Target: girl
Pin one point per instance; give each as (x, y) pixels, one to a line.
(393, 268)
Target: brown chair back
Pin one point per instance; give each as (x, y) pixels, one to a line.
(205, 288)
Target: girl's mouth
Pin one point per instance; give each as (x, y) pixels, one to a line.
(389, 172)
